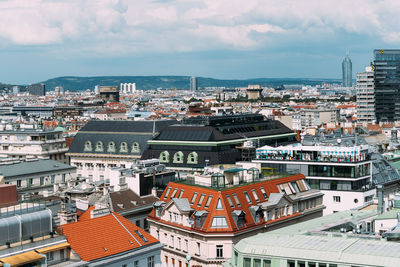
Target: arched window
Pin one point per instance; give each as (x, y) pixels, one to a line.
(192, 158)
(88, 146)
(99, 146)
(135, 148)
(164, 157)
(123, 147)
(178, 157)
(111, 147)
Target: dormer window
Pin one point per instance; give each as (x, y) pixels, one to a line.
(263, 192)
(88, 146)
(164, 157)
(178, 157)
(200, 217)
(99, 146)
(219, 222)
(135, 147)
(111, 147)
(239, 217)
(192, 158)
(123, 147)
(159, 207)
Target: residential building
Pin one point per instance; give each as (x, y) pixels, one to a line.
(366, 96)
(32, 142)
(342, 239)
(37, 176)
(347, 72)
(206, 214)
(109, 114)
(127, 88)
(387, 84)
(310, 118)
(202, 141)
(38, 111)
(193, 84)
(102, 145)
(341, 166)
(38, 89)
(254, 91)
(104, 238)
(109, 93)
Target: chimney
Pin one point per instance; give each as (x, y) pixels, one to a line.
(154, 191)
(381, 202)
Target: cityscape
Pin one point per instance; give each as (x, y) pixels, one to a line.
(185, 134)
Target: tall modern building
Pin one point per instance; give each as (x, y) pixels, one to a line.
(365, 96)
(193, 84)
(387, 84)
(347, 72)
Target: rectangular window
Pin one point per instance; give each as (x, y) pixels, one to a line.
(219, 222)
(63, 178)
(141, 236)
(174, 192)
(172, 241)
(42, 180)
(167, 192)
(246, 195)
(193, 198)
(220, 251)
(53, 179)
(263, 192)
(336, 199)
(267, 263)
(255, 195)
(246, 262)
(235, 197)
(181, 193)
(186, 245)
(150, 261)
(208, 202)
(201, 200)
(50, 256)
(312, 264)
(198, 249)
(230, 201)
(257, 263)
(136, 263)
(30, 182)
(179, 243)
(18, 183)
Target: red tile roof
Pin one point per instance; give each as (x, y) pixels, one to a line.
(86, 215)
(270, 186)
(104, 236)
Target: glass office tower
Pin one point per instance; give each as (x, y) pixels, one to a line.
(347, 72)
(387, 84)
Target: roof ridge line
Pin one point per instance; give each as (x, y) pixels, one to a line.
(126, 229)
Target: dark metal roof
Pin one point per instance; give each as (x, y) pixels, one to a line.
(126, 126)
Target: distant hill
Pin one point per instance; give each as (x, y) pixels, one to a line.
(180, 82)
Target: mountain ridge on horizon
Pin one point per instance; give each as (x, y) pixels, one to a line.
(79, 83)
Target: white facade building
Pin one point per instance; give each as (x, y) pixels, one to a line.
(127, 88)
(365, 96)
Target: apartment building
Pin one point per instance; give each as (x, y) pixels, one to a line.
(202, 217)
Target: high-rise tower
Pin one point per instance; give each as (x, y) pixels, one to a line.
(193, 84)
(387, 84)
(347, 72)
(365, 96)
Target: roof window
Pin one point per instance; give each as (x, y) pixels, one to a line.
(208, 202)
(246, 195)
(141, 236)
(181, 193)
(174, 192)
(219, 222)
(194, 198)
(201, 199)
(228, 197)
(255, 195)
(167, 193)
(235, 197)
(263, 192)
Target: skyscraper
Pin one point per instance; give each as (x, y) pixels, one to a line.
(387, 84)
(365, 96)
(347, 72)
(193, 84)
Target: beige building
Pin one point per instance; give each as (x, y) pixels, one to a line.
(203, 222)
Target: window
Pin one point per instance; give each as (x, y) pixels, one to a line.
(99, 146)
(111, 147)
(192, 158)
(50, 256)
(219, 222)
(42, 180)
(181, 193)
(219, 204)
(172, 241)
(88, 146)
(201, 200)
(150, 261)
(30, 181)
(198, 249)
(63, 178)
(220, 251)
(18, 183)
(123, 147)
(167, 192)
(246, 195)
(230, 201)
(164, 157)
(53, 179)
(179, 243)
(336, 199)
(235, 258)
(267, 263)
(255, 195)
(257, 263)
(174, 192)
(178, 157)
(193, 198)
(141, 236)
(62, 255)
(135, 148)
(208, 202)
(246, 262)
(235, 197)
(186, 245)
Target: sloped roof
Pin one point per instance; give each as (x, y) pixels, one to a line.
(104, 236)
(270, 186)
(32, 167)
(128, 200)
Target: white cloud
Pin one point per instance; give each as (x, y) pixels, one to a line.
(118, 26)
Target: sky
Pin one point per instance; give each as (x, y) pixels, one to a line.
(226, 39)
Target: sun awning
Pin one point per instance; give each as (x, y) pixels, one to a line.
(53, 248)
(23, 258)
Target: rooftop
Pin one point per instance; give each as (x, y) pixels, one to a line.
(31, 167)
